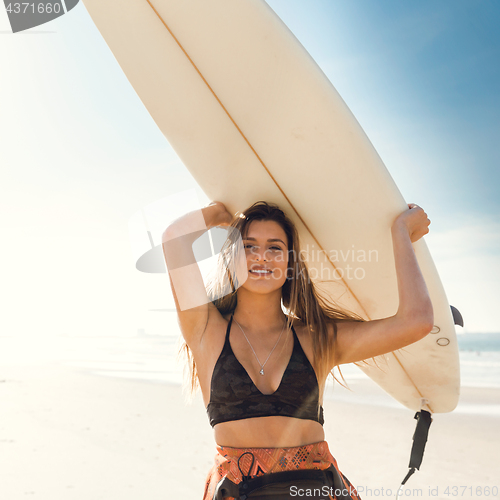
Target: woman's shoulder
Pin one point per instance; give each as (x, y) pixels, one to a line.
(302, 330)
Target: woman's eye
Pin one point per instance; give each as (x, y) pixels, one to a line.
(273, 248)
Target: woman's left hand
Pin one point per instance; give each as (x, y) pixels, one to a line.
(415, 221)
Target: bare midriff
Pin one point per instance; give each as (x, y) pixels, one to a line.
(268, 432)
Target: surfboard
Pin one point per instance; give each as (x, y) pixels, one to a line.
(253, 117)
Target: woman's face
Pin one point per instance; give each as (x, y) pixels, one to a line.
(266, 249)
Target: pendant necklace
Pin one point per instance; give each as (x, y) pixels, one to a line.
(253, 350)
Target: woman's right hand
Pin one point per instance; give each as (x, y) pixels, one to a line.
(216, 214)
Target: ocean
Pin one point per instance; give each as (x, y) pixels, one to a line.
(480, 359)
(154, 358)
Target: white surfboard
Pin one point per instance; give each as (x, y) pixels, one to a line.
(253, 117)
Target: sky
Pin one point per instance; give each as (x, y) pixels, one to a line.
(80, 155)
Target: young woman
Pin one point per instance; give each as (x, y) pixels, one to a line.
(261, 351)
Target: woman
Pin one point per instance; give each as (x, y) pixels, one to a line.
(262, 372)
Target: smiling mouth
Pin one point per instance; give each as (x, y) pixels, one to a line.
(260, 272)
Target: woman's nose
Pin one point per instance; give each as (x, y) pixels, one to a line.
(260, 255)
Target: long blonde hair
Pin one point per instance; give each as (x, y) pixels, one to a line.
(300, 296)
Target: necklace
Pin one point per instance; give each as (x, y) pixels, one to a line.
(253, 350)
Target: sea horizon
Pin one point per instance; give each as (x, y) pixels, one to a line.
(154, 358)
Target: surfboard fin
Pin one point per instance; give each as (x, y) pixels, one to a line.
(457, 317)
(424, 421)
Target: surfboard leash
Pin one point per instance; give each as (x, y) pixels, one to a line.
(424, 420)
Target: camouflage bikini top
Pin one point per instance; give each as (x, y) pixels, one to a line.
(234, 396)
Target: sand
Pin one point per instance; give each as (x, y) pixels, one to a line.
(66, 434)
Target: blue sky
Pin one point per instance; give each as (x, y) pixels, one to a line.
(80, 154)
(423, 80)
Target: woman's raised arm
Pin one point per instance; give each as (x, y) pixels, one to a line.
(193, 305)
(414, 319)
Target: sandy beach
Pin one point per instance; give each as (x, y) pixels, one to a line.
(66, 434)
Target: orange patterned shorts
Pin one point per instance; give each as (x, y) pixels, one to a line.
(268, 461)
